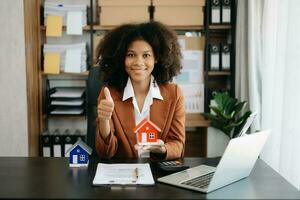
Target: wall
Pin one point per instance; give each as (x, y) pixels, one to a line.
(13, 97)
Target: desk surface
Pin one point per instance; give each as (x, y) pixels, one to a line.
(51, 178)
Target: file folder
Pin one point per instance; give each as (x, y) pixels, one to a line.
(46, 146)
(57, 143)
(54, 26)
(225, 58)
(68, 141)
(51, 63)
(226, 11)
(79, 135)
(215, 12)
(214, 57)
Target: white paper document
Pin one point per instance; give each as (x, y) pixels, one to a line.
(123, 174)
(68, 93)
(61, 8)
(74, 23)
(69, 102)
(73, 61)
(192, 67)
(194, 97)
(67, 111)
(68, 52)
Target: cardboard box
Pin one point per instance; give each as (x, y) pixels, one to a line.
(192, 43)
(179, 12)
(116, 12)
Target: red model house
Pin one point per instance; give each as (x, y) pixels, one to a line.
(146, 132)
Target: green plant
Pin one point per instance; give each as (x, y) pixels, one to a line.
(228, 114)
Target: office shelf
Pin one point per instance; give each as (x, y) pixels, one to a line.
(67, 74)
(219, 27)
(219, 73)
(85, 28)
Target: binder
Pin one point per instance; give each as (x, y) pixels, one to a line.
(215, 11)
(225, 58)
(79, 135)
(46, 147)
(226, 11)
(57, 143)
(68, 141)
(214, 57)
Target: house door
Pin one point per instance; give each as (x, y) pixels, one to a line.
(144, 137)
(75, 159)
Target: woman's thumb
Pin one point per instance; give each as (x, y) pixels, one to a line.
(107, 94)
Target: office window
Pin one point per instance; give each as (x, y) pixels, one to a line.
(82, 157)
(151, 135)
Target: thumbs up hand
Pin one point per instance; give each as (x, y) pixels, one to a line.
(105, 106)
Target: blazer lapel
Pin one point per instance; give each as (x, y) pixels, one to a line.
(125, 113)
(159, 113)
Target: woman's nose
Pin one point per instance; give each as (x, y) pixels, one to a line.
(139, 60)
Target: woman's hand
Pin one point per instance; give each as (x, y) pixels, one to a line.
(105, 110)
(157, 148)
(106, 106)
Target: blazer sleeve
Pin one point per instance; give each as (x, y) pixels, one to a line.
(106, 148)
(175, 139)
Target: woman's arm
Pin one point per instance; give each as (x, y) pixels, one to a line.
(106, 142)
(175, 139)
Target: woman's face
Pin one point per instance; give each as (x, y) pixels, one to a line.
(139, 61)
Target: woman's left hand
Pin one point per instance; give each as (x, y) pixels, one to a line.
(157, 148)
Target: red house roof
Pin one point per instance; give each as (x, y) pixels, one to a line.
(142, 123)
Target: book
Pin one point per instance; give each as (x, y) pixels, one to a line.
(123, 174)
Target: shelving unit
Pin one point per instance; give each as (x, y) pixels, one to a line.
(213, 79)
(64, 121)
(220, 80)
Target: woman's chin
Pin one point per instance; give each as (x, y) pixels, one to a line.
(138, 78)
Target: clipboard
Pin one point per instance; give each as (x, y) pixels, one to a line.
(123, 174)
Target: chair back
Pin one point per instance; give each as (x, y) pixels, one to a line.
(94, 85)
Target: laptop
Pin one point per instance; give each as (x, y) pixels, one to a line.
(236, 163)
(248, 123)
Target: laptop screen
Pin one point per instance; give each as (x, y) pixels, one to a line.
(247, 124)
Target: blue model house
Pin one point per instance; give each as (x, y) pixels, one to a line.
(79, 154)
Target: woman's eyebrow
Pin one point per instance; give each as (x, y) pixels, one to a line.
(146, 51)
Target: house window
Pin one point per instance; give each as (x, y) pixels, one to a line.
(151, 135)
(82, 157)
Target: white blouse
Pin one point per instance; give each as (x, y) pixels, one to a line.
(153, 92)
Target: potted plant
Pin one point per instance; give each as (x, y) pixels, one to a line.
(227, 116)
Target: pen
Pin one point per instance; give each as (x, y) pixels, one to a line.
(136, 174)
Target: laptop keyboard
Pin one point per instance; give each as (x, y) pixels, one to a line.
(200, 181)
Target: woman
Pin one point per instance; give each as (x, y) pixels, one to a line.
(137, 62)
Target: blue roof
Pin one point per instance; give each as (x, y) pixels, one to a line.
(82, 145)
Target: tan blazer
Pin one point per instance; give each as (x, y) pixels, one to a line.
(167, 114)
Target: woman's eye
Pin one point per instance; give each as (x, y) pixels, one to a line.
(130, 55)
(146, 55)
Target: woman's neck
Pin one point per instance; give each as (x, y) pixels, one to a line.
(141, 88)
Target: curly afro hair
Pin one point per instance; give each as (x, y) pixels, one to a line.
(112, 50)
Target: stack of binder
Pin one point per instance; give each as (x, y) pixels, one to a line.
(219, 57)
(66, 101)
(68, 54)
(61, 8)
(56, 143)
(220, 11)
